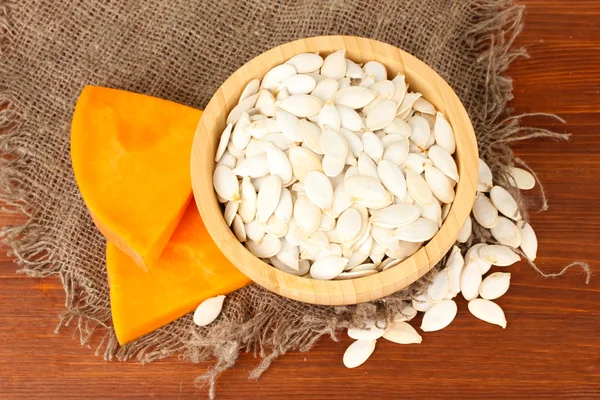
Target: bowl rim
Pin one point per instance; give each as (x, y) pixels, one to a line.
(334, 292)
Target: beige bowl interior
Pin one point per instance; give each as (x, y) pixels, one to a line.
(421, 78)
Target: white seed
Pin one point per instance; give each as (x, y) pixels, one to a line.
(418, 188)
(506, 233)
(250, 89)
(423, 106)
(354, 275)
(328, 267)
(223, 142)
(228, 160)
(365, 267)
(267, 247)
(344, 82)
(325, 89)
(473, 253)
(382, 115)
(278, 140)
(311, 135)
(306, 62)
(488, 311)
(372, 146)
(407, 103)
(465, 233)
(303, 161)
(443, 161)
(333, 167)
(349, 226)
(241, 108)
(261, 127)
(289, 255)
(354, 141)
(529, 242)
(439, 286)
(367, 167)
(523, 179)
(366, 189)
(454, 265)
(385, 90)
(395, 216)
(495, 285)
(301, 105)
(268, 198)
(316, 240)
(353, 70)
(398, 127)
(208, 310)
(372, 330)
(440, 184)
(498, 255)
(388, 263)
(485, 179)
(358, 352)
(399, 89)
(289, 125)
(418, 231)
(254, 167)
(265, 104)
(416, 162)
(226, 184)
(327, 222)
(276, 75)
(470, 279)
(354, 97)
(439, 316)
(254, 230)
(376, 69)
(349, 118)
(318, 189)
(239, 229)
(384, 237)
(402, 333)
(505, 203)
(432, 212)
(306, 214)
(392, 178)
(341, 200)
(445, 211)
(329, 116)
(285, 206)
(231, 210)
(333, 145)
(420, 130)
(422, 306)
(252, 149)
(484, 211)
(334, 65)
(278, 163)
(276, 226)
(444, 136)
(299, 84)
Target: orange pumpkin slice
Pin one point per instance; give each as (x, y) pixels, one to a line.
(131, 155)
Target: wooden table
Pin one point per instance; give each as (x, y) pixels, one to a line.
(550, 348)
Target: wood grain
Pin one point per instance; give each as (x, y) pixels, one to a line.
(420, 77)
(549, 350)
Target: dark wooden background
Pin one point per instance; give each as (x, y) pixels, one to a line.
(550, 349)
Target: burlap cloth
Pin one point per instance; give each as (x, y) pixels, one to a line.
(182, 50)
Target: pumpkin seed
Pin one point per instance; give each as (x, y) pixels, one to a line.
(498, 255)
(329, 116)
(306, 214)
(208, 310)
(418, 188)
(354, 141)
(288, 124)
(228, 160)
(439, 316)
(328, 267)
(349, 226)
(455, 264)
(285, 207)
(278, 163)
(419, 230)
(306, 62)
(465, 233)
(398, 127)
(440, 185)
(349, 118)
(226, 184)
(444, 135)
(372, 146)
(402, 333)
(376, 69)
(344, 82)
(523, 179)
(443, 161)
(333, 167)
(311, 135)
(470, 280)
(318, 189)
(250, 89)
(354, 97)
(505, 203)
(276, 227)
(399, 89)
(334, 65)
(385, 90)
(239, 229)
(487, 311)
(268, 198)
(484, 211)
(439, 286)
(506, 233)
(485, 179)
(529, 242)
(395, 216)
(267, 247)
(353, 70)
(358, 352)
(495, 285)
(244, 106)
(223, 142)
(303, 161)
(420, 130)
(265, 103)
(432, 212)
(391, 177)
(276, 75)
(473, 253)
(333, 145)
(327, 222)
(406, 105)
(301, 105)
(255, 231)
(363, 188)
(299, 84)
(367, 167)
(231, 210)
(325, 89)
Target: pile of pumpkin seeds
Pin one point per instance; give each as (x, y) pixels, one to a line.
(330, 170)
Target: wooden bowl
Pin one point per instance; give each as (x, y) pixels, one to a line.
(420, 78)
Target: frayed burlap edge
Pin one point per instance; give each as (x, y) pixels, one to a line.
(264, 332)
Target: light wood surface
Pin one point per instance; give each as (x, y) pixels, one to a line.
(422, 79)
